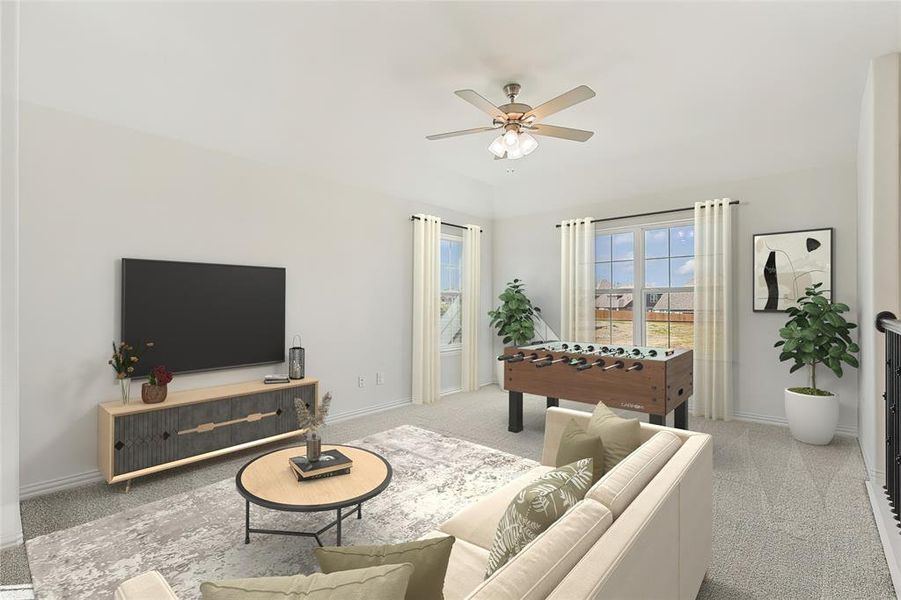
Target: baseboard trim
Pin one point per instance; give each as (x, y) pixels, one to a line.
(40, 488)
(888, 531)
(771, 420)
(368, 410)
(16, 540)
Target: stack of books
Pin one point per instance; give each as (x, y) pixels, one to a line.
(330, 463)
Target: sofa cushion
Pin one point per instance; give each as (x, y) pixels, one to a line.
(620, 436)
(465, 569)
(543, 563)
(535, 508)
(148, 586)
(429, 558)
(576, 443)
(622, 484)
(387, 582)
(477, 522)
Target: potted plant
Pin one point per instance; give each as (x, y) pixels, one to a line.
(123, 361)
(155, 390)
(816, 333)
(513, 319)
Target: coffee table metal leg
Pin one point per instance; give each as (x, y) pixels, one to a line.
(339, 526)
(247, 521)
(360, 510)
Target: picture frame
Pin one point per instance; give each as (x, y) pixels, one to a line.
(785, 263)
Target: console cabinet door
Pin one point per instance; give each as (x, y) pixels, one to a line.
(192, 443)
(266, 426)
(288, 419)
(144, 440)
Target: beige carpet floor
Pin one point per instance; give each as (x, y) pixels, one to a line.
(791, 521)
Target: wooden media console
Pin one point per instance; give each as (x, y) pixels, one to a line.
(138, 439)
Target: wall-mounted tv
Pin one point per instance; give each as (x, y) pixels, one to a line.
(203, 316)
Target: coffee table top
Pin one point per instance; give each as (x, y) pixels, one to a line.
(269, 481)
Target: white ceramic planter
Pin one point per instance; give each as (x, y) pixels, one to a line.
(812, 419)
(500, 374)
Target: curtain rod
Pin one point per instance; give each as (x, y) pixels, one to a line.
(415, 218)
(647, 214)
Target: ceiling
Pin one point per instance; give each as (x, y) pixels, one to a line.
(687, 93)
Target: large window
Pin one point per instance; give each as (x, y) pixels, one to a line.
(451, 285)
(644, 286)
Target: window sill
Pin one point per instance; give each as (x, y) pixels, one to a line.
(452, 350)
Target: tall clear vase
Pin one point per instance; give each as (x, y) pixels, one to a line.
(314, 446)
(125, 385)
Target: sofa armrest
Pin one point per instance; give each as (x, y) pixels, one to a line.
(146, 586)
(555, 421)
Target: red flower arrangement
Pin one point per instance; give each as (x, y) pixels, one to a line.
(160, 375)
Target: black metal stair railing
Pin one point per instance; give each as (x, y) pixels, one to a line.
(891, 327)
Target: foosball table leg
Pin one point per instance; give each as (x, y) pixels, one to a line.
(553, 402)
(657, 420)
(515, 417)
(680, 416)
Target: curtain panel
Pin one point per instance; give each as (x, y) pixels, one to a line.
(472, 276)
(426, 308)
(577, 279)
(714, 310)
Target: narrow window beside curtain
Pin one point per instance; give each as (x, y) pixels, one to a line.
(426, 308)
(472, 258)
(713, 310)
(577, 280)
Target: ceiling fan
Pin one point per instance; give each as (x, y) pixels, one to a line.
(519, 121)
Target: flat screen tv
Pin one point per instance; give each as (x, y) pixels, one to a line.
(203, 316)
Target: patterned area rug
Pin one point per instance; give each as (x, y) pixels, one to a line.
(199, 535)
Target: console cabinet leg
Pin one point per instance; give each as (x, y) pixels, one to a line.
(515, 409)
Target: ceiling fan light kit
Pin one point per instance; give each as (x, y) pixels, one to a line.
(519, 121)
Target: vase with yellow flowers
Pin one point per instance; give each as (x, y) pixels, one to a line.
(124, 360)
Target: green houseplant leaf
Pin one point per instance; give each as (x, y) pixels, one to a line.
(817, 333)
(514, 318)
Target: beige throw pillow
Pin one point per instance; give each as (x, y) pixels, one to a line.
(429, 558)
(535, 508)
(388, 582)
(576, 443)
(620, 436)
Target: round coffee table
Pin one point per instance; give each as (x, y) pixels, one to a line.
(270, 482)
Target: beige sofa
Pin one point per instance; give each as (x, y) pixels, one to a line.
(643, 531)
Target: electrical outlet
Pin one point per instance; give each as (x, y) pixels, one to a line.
(361, 381)
(379, 378)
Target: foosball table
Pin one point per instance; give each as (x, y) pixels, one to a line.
(655, 381)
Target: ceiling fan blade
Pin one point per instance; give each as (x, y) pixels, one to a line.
(481, 103)
(563, 101)
(564, 133)
(441, 136)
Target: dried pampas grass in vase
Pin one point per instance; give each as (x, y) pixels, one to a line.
(312, 421)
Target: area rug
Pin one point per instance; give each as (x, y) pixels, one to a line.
(199, 535)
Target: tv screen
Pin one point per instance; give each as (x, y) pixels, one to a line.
(203, 316)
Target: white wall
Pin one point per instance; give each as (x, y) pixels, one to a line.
(10, 522)
(93, 193)
(809, 199)
(878, 250)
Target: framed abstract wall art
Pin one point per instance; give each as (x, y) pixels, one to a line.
(788, 262)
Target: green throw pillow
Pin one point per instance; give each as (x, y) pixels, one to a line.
(620, 436)
(388, 582)
(576, 443)
(429, 558)
(535, 508)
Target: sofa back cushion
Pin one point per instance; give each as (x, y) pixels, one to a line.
(622, 484)
(539, 567)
